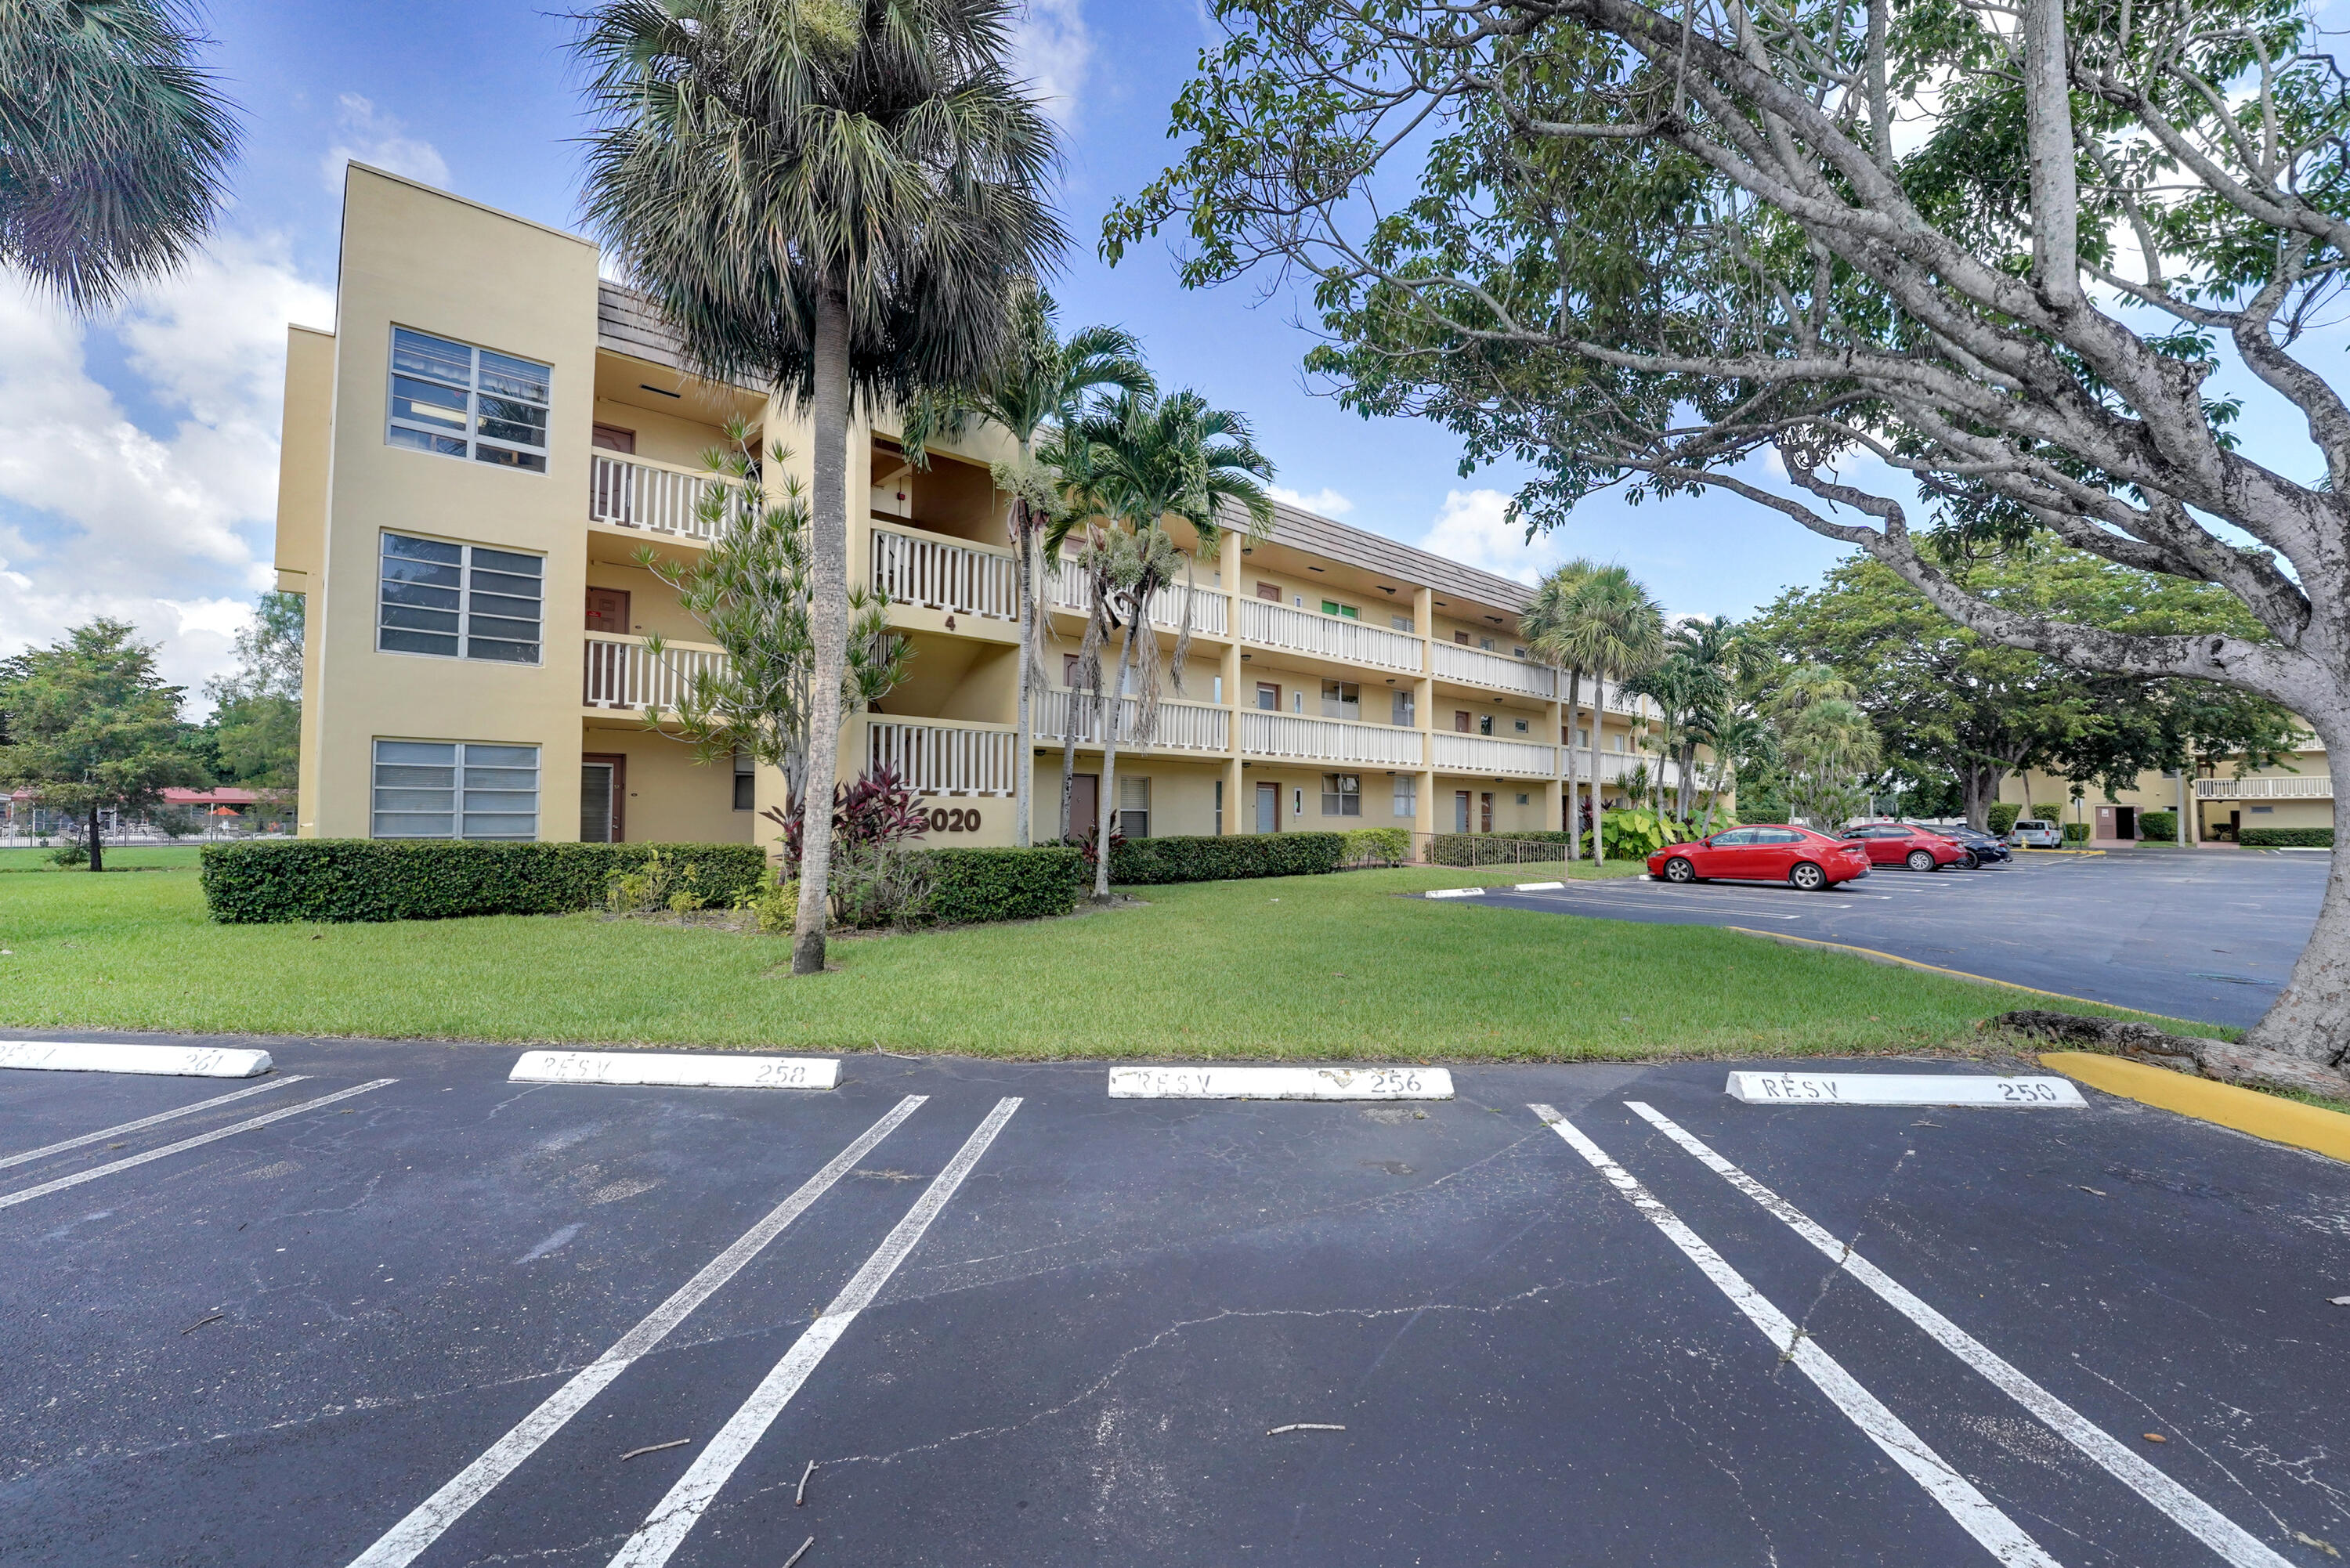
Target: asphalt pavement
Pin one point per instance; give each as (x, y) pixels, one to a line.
(2205, 935)
(434, 1316)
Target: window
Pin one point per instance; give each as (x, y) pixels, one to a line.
(1519, 725)
(1402, 623)
(1399, 708)
(1524, 798)
(1462, 638)
(1269, 591)
(1217, 697)
(1070, 670)
(1341, 700)
(458, 600)
(1268, 696)
(1332, 607)
(1220, 809)
(1297, 701)
(1583, 734)
(464, 401)
(1486, 643)
(1134, 806)
(1407, 796)
(1342, 795)
(1461, 721)
(1519, 652)
(1485, 723)
(1620, 745)
(1296, 800)
(454, 789)
(746, 780)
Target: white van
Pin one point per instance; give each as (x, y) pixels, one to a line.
(2031, 832)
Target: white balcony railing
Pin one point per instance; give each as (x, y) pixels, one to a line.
(1328, 636)
(942, 758)
(621, 672)
(1476, 666)
(1327, 741)
(633, 492)
(2318, 786)
(1182, 726)
(945, 573)
(1488, 755)
(1067, 587)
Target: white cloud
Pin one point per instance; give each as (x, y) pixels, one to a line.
(1474, 528)
(157, 528)
(1054, 50)
(372, 137)
(1325, 502)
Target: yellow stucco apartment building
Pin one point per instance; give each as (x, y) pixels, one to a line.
(473, 456)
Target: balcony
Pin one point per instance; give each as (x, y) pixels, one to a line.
(945, 573)
(1476, 666)
(659, 497)
(943, 756)
(1485, 754)
(1335, 637)
(2318, 786)
(1068, 587)
(620, 672)
(1182, 726)
(1266, 734)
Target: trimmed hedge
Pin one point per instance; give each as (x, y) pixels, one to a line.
(2158, 826)
(2286, 837)
(2075, 833)
(2001, 818)
(971, 886)
(438, 880)
(1140, 861)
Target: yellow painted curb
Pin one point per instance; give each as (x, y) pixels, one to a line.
(1874, 956)
(2029, 849)
(2270, 1117)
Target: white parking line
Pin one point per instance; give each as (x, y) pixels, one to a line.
(2188, 1511)
(674, 1517)
(31, 1155)
(1974, 1514)
(425, 1522)
(10, 1200)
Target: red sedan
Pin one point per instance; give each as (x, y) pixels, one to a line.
(1918, 848)
(1766, 853)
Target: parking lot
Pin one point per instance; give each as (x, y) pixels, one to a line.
(2208, 935)
(401, 1310)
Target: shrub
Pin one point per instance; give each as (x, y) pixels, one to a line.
(2158, 824)
(2076, 833)
(775, 908)
(431, 879)
(71, 854)
(1377, 845)
(657, 882)
(1142, 861)
(2286, 837)
(874, 885)
(968, 886)
(2042, 812)
(2001, 818)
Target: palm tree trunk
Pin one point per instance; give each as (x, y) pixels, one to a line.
(828, 624)
(1566, 742)
(1598, 798)
(1024, 765)
(1106, 811)
(97, 842)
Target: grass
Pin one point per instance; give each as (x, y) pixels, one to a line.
(154, 857)
(1316, 967)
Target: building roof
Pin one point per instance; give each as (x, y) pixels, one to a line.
(224, 795)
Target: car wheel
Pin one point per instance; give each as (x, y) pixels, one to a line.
(1921, 860)
(1679, 870)
(1974, 862)
(1807, 878)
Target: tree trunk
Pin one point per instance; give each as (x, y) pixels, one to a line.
(1573, 823)
(1069, 759)
(1106, 809)
(97, 843)
(2310, 1017)
(828, 625)
(1598, 798)
(1023, 776)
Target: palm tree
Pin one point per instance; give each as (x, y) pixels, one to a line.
(1612, 628)
(1039, 382)
(832, 202)
(114, 147)
(1148, 459)
(1544, 624)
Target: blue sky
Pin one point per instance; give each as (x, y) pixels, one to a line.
(138, 476)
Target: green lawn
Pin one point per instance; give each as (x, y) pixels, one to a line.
(1330, 967)
(155, 857)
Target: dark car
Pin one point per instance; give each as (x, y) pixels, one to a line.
(1987, 847)
(1918, 848)
(1765, 852)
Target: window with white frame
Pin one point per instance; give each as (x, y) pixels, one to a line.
(746, 780)
(454, 789)
(1402, 623)
(1342, 795)
(1134, 806)
(459, 400)
(1399, 708)
(459, 601)
(1407, 796)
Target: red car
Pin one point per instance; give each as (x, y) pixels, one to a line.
(1766, 853)
(1918, 848)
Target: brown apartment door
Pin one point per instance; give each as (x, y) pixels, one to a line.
(608, 610)
(1085, 803)
(1485, 812)
(603, 798)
